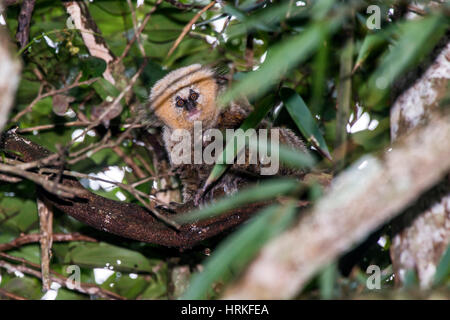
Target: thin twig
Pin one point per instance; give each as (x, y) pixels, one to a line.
(135, 27)
(91, 146)
(50, 186)
(46, 231)
(32, 238)
(138, 32)
(130, 188)
(24, 19)
(85, 288)
(416, 10)
(41, 162)
(49, 94)
(180, 5)
(127, 159)
(188, 27)
(115, 102)
(130, 220)
(54, 125)
(220, 35)
(145, 164)
(6, 178)
(10, 295)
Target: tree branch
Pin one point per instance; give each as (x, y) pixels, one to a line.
(91, 35)
(24, 19)
(366, 195)
(85, 288)
(423, 234)
(32, 238)
(9, 77)
(46, 231)
(183, 6)
(125, 219)
(188, 27)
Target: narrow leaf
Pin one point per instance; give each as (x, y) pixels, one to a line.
(237, 250)
(304, 120)
(264, 191)
(252, 121)
(416, 38)
(443, 268)
(370, 43)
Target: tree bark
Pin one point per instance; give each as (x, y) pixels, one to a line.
(9, 76)
(125, 219)
(423, 234)
(368, 194)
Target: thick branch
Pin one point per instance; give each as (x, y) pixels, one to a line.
(366, 195)
(125, 219)
(9, 77)
(91, 35)
(423, 233)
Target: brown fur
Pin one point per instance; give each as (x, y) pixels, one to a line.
(193, 176)
(178, 83)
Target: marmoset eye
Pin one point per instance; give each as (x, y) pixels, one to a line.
(180, 102)
(193, 95)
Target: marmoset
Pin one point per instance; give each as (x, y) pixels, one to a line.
(187, 97)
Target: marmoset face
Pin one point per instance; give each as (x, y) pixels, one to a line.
(186, 95)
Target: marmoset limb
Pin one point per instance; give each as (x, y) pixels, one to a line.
(189, 94)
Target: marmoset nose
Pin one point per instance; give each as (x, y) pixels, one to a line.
(190, 105)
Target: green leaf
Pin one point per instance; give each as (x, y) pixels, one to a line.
(30, 252)
(290, 157)
(264, 191)
(280, 58)
(410, 279)
(235, 12)
(443, 268)
(320, 71)
(44, 106)
(415, 39)
(105, 89)
(327, 280)
(102, 254)
(158, 285)
(92, 67)
(27, 287)
(370, 43)
(304, 120)
(251, 122)
(262, 20)
(124, 285)
(295, 158)
(237, 250)
(22, 212)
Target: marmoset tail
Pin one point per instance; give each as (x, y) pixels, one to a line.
(188, 96)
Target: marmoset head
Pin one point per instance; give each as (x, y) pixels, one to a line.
(186, 95)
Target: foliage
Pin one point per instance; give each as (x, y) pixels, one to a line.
(284, 56)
